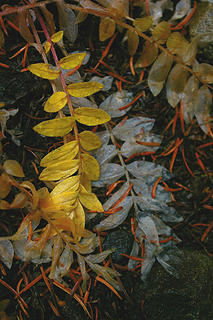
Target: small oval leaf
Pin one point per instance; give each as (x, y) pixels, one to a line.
(55, 127)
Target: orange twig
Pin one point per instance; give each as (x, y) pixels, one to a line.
(186, 164)
(105, 52)
(98, 278)
(45, 279)
(133, 101)
(200, 162)
(155, 187)
(173, 159)
(123, 197)
(186, 19)
(113, 186)
(131, 66)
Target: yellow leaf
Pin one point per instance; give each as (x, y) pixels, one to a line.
(13, 168)
(89, 140)
(71, 184)
(57, 36)
(106, 28)
(91, 116)
(133, 41)
(64, 200)
(2, 104)
(143, 24)
(44, 70)
(55, 127)
(66, 152)
(84, 89)
(60, 170)
(47, 47)
(72, 61)
(20, 201)
(56, 102)
(161, 32)
(5, 184)
(90, 200)
(90, 166)
(79, 221)
(86, 182)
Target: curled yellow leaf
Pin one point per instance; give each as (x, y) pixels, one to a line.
(71, 183)
(66, 152)
(56, 102)
(73, 60)
(60, 170)
(89, 140)
(44, 70)
(90, 166)
(161, 32)
(55, 127)
(84, 89)
(143, 24)
(91, 116)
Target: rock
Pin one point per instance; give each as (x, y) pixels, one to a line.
(187, 298)
(202, 22)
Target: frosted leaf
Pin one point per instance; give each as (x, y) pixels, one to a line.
(6, 252)
(182, 9)
(115, 219)
(104, 136)
(82, 102)
(189, 98)
(203, 108)
(161, 227)
(105, 154)
(147, 225)
(114, 198)
(149, 259)
(67, 22)
(156, 8)
(109, 173)
(106, 81)
(176, 83)
(134, 253)
(167, 257)
(142, 188)
(166, 213)
(159, 72)
(115, 101)
(148, 171)
(99, 257)
(132, 127)
(131, 146)
(64, 264)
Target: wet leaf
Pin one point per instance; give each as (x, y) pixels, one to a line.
(89, 200)
(24, 26)
(106, 28)
(159, 72)
(90, 166)
(56, 127)
(148, 55)
(189, 98)
(177, 44)
(73, 60)
(89, 140)
(182, 9)
(205, 72)
(13, 168)
(91, 116)
(143, 24)
(203, 108)
(147, 225)
(60, 170)
(66, 152)
(133, 41)
(176, 83)
(161, 32)
(84, 89)
(44, 70)
(6, 252)
(99, 257)
(105, 154)
(56, 102)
